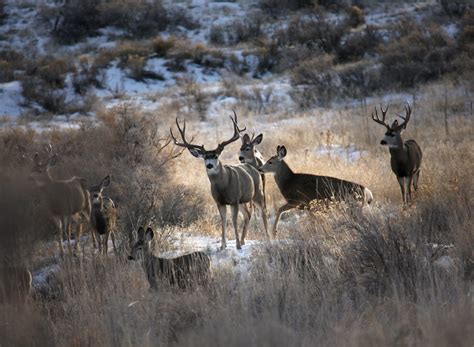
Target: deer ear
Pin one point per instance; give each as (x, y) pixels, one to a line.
(149, 235)
(53, 160)
(36, 158)
(258, 139)
(141, 233)
(195, 152)
(245, 139)
(105, 182)
(281, 152)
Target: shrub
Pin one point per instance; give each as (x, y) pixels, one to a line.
(74, 20)
(43, 84)
(10, 61)
(3, 13)
(236, 32)
(354, 46)
(356, 16)
(138, 19)
(161, 45)
(87, 75)
(421, 55)
(454, 8)
(7, 72)
(278, 6)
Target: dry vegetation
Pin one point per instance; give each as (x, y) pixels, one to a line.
(343, 276)
(346, 276)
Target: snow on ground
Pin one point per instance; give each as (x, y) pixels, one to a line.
(11, 99)
(239, 261)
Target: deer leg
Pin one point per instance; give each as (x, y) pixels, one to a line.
(263, 192)
(247, 212)
(235, 222)
(59, 224)
(223, 213)
(263, 210)
(112, 236)
(99, 242)
(401, 182)
(67, 222)
(78, 236)
(415, 179)
(281, 210)
(106, 242)
(409, 179)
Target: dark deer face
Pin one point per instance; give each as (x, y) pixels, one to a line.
(247, 150)
(273, 164)
(392, 137)
(142, 246)
(97, 198)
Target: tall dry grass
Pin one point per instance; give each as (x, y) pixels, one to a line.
(381, 275)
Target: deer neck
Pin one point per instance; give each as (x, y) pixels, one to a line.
(283, 174)
(220, 177)
(398, 152)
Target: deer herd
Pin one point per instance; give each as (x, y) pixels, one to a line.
(240, 186)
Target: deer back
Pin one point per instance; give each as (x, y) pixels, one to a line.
(186, 270)
(67, 197)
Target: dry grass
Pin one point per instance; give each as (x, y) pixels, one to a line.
(345, 276)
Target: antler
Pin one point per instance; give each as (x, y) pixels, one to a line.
(185, 143)
(376, 118)
(234, 137)
(406, 118)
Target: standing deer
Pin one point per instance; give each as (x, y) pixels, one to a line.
(65, 198)
(300, 189)
(250, 155)
(103, 216)
(405, 156)
(234, 185)
(185, 271)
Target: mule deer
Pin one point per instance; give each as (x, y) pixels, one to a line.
(405, 156)
(15, 283)
(65, 198)
(185, 271)
(300, 189)
(103, 215)
(250, 155)
(234, 185)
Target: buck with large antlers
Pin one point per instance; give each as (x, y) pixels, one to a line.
(405, 156)
(65, 198)
(234, 185)
(300, 189)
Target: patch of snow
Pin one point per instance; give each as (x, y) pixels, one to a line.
(239, 261)
(11, 99)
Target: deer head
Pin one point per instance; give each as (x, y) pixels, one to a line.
(40, 171)
(272, 164)
(392, 137)
(211, 157)
(96, 192)
(142, 246)
(247, 150)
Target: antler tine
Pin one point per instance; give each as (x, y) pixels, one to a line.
(376, 118)
(234, 137)
(182, 132)
(406, 118)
